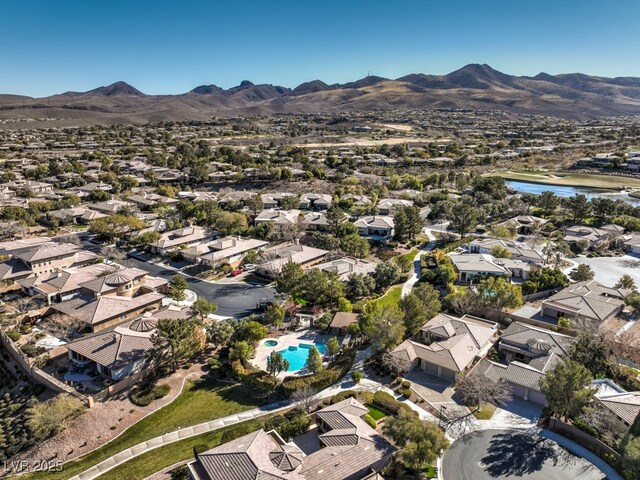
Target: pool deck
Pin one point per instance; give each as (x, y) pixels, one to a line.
(286, 341)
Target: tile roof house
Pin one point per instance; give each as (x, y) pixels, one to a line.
(315, 201)
(486, 245)
(347, 266)
(228, 249)
(589, 300)
(116, 352)
(316, 221)
(525, 224)
(71, 216)
(622, 408)
(278, 257)
(529, 353)
(389, 206)
(591, 235)
(187, 236)
(285, 217)
(447, 345)
(475, 267)
(376, 227)
(43, 258)
(100, 312)
(347, 449)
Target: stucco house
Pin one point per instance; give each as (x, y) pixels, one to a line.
(589, 300)
(447, 345)
(342, 447)
(529, 353)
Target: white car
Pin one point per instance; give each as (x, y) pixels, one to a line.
(249, 267)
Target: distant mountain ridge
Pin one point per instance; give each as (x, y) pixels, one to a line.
(474, 86)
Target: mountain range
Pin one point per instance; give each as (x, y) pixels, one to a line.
(474, 86)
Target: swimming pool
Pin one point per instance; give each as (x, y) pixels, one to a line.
(297, 356)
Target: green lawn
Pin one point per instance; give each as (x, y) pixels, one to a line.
(392, 297)
(571, 179)
(486, 412)
(376, 413)
(145, 465)
(199, 402)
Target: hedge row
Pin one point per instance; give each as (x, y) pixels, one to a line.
(386, 402)
(324, 378)
(255, 378)
(144, 396)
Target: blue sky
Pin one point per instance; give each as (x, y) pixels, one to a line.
(162, 46)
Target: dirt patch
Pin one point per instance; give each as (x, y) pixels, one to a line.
(95, 427)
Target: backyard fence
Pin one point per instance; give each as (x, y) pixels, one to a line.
(583, 438)
(35, 373)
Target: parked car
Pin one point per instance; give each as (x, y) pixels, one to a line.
(236, 272)
(249, 267)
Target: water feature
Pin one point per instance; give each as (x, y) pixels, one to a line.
(569, 191)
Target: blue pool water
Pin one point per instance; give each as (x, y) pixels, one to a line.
(297, 356)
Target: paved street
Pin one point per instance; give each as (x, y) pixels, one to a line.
(524, 454)
(233, 299)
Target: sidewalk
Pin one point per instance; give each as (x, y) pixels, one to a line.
(141, 448)
(415, 276)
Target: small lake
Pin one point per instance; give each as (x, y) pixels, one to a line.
(567, 191)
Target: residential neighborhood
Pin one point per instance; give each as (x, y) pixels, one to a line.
(323, 275)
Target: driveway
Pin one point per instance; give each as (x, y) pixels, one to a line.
(438, 392)
(523, 454)
(608, 270)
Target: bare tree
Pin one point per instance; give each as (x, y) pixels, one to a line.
(62, 326)
(476, 389)
(115, 255)
(72, 239)
(398, 363)
(306, 396)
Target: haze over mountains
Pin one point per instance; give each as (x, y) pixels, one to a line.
(472, 87)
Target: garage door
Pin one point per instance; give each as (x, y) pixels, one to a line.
(448, 374)
(430, 368)
(537, 397)
(517, 391)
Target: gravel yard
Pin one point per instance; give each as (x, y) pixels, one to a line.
(94, 428)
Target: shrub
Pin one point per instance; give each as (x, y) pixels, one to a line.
(289, 425)
(160, 391)
(14, 335)
(406, 384)
(324, 378)
(370, 421)
(429, 276)
(253, 377)
(30, 350)
(143, 396)
(180, 473)
(356, 376)
(338, 397)
(53, 416)
(406, 392)
(200, 448)
(386, 402)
